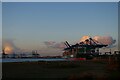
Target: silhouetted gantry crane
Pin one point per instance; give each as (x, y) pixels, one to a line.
(87, 49)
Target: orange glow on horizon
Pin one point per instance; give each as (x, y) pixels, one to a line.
(84, 38)
(8, 48)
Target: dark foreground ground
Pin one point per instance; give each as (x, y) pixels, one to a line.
(74, 70)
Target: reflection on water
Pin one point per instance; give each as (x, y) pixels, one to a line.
(31, 59)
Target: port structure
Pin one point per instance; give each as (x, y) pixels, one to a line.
(85, 49)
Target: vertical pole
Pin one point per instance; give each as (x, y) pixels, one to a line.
(109, 59)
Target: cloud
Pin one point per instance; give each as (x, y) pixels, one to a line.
(53, 44)
(60, 45)
(108, 40)
(49, 43)
(10, 46)
(84, 38)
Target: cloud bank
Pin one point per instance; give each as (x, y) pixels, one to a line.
(108, 40)
(54, 44)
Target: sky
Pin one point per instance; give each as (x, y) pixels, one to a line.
(37, 25)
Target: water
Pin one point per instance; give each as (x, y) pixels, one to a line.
(31, 59)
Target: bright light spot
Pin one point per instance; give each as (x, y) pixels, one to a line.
(84, 38)
(8, 49)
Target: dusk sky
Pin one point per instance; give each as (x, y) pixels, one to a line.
(30, 26)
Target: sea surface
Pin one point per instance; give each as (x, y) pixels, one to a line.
(31, 59)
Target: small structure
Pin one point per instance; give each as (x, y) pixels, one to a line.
(87, 49)
(35, 54)
(3, 53)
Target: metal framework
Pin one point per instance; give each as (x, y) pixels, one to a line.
(88, 48)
